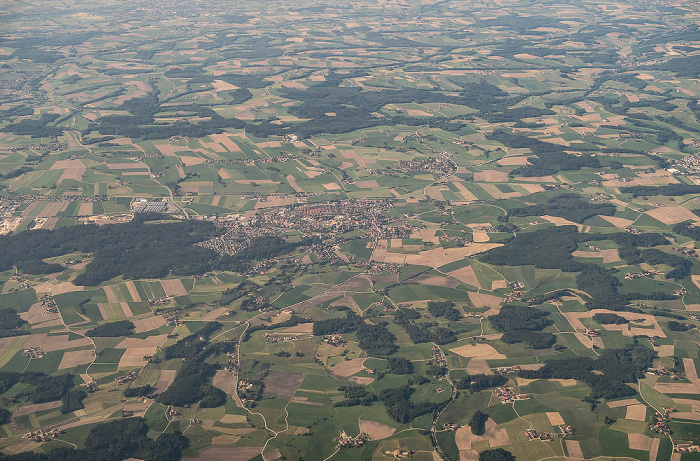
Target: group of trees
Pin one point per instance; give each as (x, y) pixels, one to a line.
(523, 324)
(119, 439)
(568, 206)
(426, 332)
(552, 248)
(142, 248)
(668, 190)
(478, 382)
(11, 323)
(399, 366)
(355, 395)
(444, 309)
(112, 329)
(549, 158)
(398, 404)
(42, 388)
(191, 382)
(607, 375)
(338, 325)
(376, 340)
(608, 319)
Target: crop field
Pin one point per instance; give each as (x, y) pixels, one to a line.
(336, 230)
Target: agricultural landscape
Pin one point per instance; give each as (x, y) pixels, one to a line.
(350, 230)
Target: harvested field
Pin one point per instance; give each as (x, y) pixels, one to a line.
(586, 254)
(173, 287)
(223, 139)
(133, 357)
(370, 184)
(482, 351)
(686, 415)
(166, 379)
(111, 295)
(666, 350)
(636, 412)
(434, 280)
(215, 314)
(690, 371)
(654, 449)
(347, 368)
(639, 442)
(672, 214)
(464, 192)
(305, 401)
(676, 388)
(623, 403)
(61, 342)
(223, 174)
(148, 324)
(226, 454)
(361, 380)
(555, 418)
(573, 448)
(293, 183)
(513, 161)
(617, 222)
(56, 288)
(151, 341)
(225, 381)
(302, 328)
(484, 300)
(610, 255)
(557, 221)
(331, 186)
(133, 292)
(491, 176)
(376, 431)
(466, 275)
(72, 359)
(33, 408)
(496, 437)
(35, 315)
(233, 419)
(282, 383)
(478, 366)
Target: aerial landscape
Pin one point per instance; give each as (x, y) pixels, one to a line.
(350, 230)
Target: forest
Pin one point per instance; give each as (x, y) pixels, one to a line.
(613, 369)
(671, 190)
(398, 404)
(568, 206)
(522, 324)
(116, 440)
(112, 329)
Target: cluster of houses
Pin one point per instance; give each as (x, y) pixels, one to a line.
(660, 421)
(33, 353)
(91, 385)
(450, 427)
(48, 305)
(508, 370)
(334, 340)
(660, 371)
(439, 357)
(508, 395)
(591, 332)
(42, 435)
(51, 146)
(686, 448)
(532, 434)
(566, 429)
(346, 441)
(127, 378)
(278, 338)
(399, 453)
(162, 300)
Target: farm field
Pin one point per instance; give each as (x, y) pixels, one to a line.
(431, 230)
